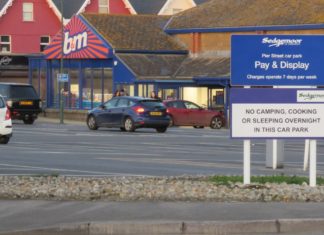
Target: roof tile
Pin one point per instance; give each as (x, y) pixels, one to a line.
(243, 13)
(134, 32)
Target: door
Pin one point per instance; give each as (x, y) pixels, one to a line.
(196, 114)
(179, 112)
(117, 113)
(105, 115)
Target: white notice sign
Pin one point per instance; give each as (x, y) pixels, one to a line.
(294, 120)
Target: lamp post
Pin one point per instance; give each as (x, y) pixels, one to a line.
(61, 69)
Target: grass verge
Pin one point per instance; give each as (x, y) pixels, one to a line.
(278, 179)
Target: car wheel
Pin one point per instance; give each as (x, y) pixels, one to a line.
(4, 139)
(216, 123)
(171, 122)
(129, 125)
(161, 129)
(29, 121)
(92, 123)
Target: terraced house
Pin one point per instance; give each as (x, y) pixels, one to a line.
(28, 26)
(182, 56)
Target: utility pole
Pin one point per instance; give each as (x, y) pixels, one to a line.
(60, 85)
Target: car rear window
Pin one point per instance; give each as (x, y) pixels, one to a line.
(23, 92)
(152, 103)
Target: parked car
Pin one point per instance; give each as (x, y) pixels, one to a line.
(186, 113)
(129, 113)
(22, 101)
(5, 122)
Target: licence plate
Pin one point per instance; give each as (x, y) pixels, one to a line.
(156, 113)
(26, 102)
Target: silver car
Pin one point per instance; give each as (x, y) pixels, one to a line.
(5, 122)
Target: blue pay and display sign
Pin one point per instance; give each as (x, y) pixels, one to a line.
(277, 113)
(63, 77)
(274, 60)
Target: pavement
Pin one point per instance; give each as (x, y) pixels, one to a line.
(106, 217)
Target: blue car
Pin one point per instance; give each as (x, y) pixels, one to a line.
(129, 113)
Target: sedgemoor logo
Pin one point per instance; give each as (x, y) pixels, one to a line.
(5, 60)
(275, 42)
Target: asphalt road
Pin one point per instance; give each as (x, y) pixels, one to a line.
(71, 149)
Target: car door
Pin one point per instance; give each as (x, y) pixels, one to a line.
(179, 112)
(105, 112)
(118, 112)
(195, 113)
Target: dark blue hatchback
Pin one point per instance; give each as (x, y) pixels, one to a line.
(129, 113)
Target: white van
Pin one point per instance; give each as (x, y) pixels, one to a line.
(5, 122)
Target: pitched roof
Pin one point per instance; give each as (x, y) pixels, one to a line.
(152, 66)
(70, 7)
(242, 13)
(169, 67)
(4, 4)
(204, 67)
(147, 6)
(134, 32)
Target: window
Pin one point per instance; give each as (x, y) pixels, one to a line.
(104, 6)
(123, 103)
(190, 105)
(5, 44)
(111, 103)
(28, 11)
(44, 42)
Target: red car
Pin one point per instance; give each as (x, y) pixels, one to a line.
(186, 113)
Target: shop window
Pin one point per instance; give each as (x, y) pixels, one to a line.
(28, 11)
(108, 84)
(198, 95)
(73, 101)
(104, 6)
(169, 94)
(5, 43)
(128, 89)
(44, 42)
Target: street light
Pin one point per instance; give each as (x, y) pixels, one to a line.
(61, 69)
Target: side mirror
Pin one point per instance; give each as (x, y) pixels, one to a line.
(102, 106)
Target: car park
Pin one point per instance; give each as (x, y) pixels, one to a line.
(22, 101)
(129, 113)
(187, 113)
(5, 123)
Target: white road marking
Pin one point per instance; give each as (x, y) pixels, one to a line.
(26, 167)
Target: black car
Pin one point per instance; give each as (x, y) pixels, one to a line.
(22, 101)
(129, 113)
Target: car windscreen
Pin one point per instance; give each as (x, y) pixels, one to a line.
(23, 92)
(152, 104)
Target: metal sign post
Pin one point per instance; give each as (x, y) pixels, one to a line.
(61, 79)
(312, 163)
